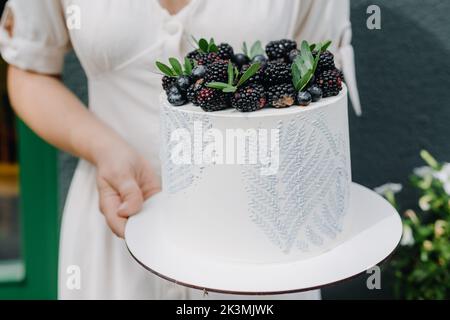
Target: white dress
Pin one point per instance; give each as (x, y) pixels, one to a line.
(117, 43)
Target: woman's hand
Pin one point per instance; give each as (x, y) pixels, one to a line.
(124, 180)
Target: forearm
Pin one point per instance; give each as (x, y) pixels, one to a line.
(58, 116)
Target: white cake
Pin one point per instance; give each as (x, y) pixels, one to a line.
(286, 202)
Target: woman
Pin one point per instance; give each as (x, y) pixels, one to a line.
(117, 42)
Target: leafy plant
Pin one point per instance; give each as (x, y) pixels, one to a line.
(206, 46)
(255, 50)
(422, 263)
(234, 81)
(175, 69)
(305, 64)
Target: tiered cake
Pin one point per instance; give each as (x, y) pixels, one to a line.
(281, 195)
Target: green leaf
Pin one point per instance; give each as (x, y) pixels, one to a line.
(165, 69)
(251, 71)
(326, 45)
(316, 62)
(306, 53)
(176, 65)
(302, 65)
(312, 47)
(296, 76)
(217, 85)
(212, 47)
(187, 66)
(256, 50)
(305, 80)
(203, 45)
(245, 49)
(230, 73)
(229, 89)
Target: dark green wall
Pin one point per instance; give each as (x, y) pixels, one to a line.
(404, 80)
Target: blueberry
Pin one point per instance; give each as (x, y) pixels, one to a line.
(293, 54)
(259, 59)
(199, 72)
(240, 59)
(174, 90)
(183, 82)
(304, 98)
(176, 99)
(316, 92)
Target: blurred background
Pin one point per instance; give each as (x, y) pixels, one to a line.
(403, 72)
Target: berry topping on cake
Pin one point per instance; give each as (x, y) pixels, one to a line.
(316, 92)
(249, 98)
(246, 97)
(194, 90)
(280, 49)
(199, 72)
(225, 51)
(276, 73)
(304, 98)
(168, 82)
(280, 75)
(212, 100)
(217, 72)
(281, 95)
(330, 82)
(326, 61)
(241, 60)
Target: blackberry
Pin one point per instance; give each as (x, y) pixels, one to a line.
(225, 51)
(193, 91)
(257, 78)
(330, 82)
(203, 58)
(212, 99)
(249, 98)
(276, 73)
(217, 72)
(168, 82)
(293, 54)
(280, 49)
(281, 95)
(326, 61)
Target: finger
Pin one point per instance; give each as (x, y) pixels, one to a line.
(150, 183)
(117, 224)
(109, 202)
(132, 198)
(150, 189)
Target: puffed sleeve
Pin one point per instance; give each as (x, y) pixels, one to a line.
(320, 20)
(38, 38)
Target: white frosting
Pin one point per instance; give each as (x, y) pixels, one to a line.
(246, 212)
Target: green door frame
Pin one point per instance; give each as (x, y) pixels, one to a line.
(39, 220)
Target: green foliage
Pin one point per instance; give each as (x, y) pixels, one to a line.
(234, 81)
(175, 69)
(422, 264)
(305, 64)
(255, 50)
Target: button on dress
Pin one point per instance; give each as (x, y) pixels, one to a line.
(117, 43)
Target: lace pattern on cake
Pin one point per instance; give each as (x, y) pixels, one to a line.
(178, 177)
(313, 163)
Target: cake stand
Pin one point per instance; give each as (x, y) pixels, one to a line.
(375, 234)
